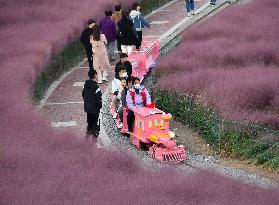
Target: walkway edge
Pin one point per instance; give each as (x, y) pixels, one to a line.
(56, 83)
(160, 8)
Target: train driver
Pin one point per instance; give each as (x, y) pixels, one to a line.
(137, 96)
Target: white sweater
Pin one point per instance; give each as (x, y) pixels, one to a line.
(115, 85)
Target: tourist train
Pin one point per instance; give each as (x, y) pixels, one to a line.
(151, 126)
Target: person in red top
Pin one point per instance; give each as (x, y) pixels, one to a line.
(137, 96)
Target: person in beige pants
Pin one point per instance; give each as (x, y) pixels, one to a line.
(100, 57)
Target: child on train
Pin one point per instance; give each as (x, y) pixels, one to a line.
(122, 97)
(116, 87)
(124, 61)
(137, 96)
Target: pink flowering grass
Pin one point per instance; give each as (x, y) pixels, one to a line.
(39, 165)
(230, 63)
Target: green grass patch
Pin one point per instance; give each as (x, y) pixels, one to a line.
(241, 142)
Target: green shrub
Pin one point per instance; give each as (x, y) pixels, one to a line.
(274, 163)
(266, 156)
(251, 151)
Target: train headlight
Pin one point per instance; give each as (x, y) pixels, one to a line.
(171, 134)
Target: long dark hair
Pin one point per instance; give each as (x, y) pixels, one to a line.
(135, 5)
(96, 33)
(125, 14)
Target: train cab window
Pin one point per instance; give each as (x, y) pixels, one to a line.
(142, 125)
(156, 122)
(138, 123)
(150, 124)
(162, 122)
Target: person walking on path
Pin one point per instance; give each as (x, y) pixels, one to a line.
(85, 40)
(190, 7)
(92, 97)
(139, 22)
(127, 33)
(108, 28)
(116, 87)
(117, 16)
(100, 57)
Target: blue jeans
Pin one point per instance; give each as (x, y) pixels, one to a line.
(190, 5)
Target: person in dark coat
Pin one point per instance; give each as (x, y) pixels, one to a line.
(92, 97)
(85, 40)
(127, 33)
(108, 28)
(124, 61)
(117, 16)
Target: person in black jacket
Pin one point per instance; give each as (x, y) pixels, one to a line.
(92, 97)
(85, 40)
(127, 33)
(124, 61)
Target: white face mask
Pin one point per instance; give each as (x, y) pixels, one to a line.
(124, 75)
(137, 86)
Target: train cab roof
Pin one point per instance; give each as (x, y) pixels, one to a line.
(144, 111)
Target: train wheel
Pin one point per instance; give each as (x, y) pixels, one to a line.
(144, 146)
(152, 152)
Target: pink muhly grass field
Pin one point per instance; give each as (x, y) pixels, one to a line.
(230, 63)
(41, 166)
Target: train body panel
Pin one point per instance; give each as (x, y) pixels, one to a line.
(144, 59)
(151, 127)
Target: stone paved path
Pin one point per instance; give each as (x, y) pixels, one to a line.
(64, 106)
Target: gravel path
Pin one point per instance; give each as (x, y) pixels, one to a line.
(115, 140)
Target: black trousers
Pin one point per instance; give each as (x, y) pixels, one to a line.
(92, 121)
(139, 39)
(118, 45)
(90, 58)
(131, 120)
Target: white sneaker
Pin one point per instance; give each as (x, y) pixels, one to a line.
(188, 14)
(114, 116)
(100, 81)
(105, 74)
(192, 12)
(105, 79)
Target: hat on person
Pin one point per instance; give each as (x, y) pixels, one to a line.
(123, 55)
(90, 21)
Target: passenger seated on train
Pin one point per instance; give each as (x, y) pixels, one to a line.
(116, 87)
(136, 97)
(124, 61)
(122, 97)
